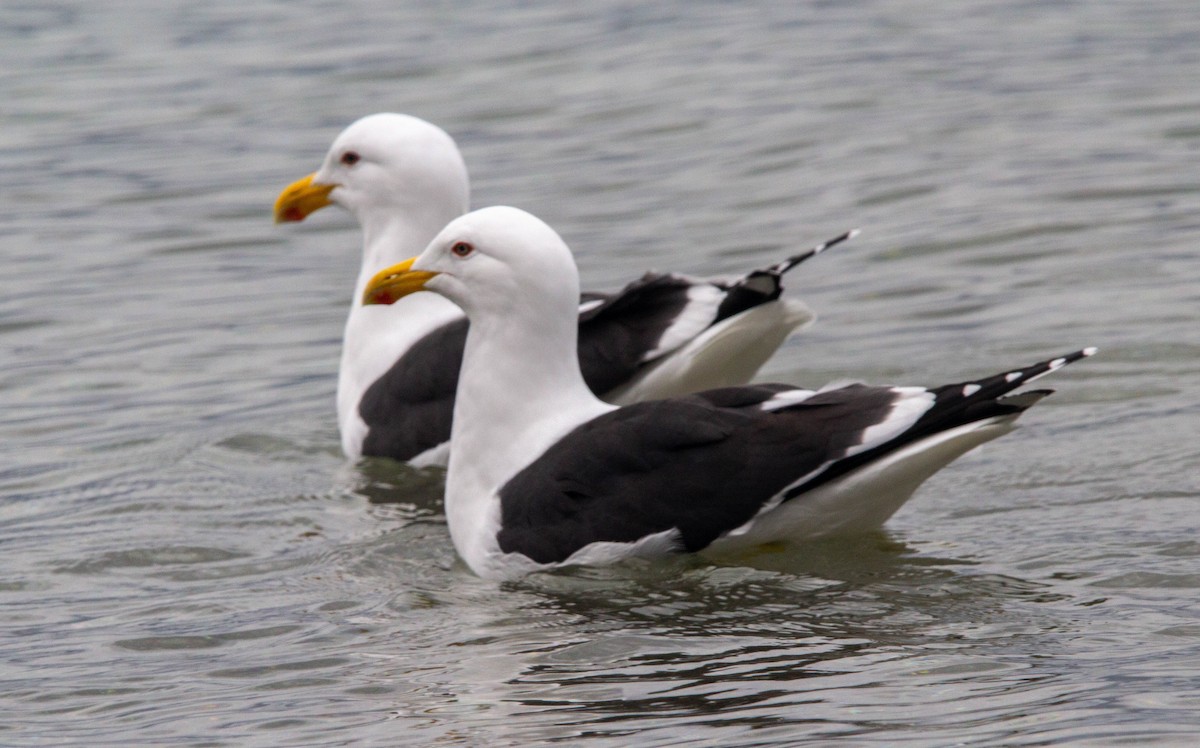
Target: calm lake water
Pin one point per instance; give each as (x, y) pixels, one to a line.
(186, 558)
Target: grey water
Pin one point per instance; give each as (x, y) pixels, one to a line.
(187, 559)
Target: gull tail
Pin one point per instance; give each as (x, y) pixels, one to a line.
(766, 284)
(791, 262)
(994, 391)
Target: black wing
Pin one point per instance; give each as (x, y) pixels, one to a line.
(954, 405)
(686, 464)
(706, 464)
(409, 409)
(616, 334)
(620, 333)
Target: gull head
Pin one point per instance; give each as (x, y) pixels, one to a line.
(381, 166)
(499, 261)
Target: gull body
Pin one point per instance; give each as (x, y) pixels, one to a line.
(404, 179)
(543, 474)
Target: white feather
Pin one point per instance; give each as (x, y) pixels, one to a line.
(729, 353)
(865, 498)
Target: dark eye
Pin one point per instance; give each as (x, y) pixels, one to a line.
(350, 158)
(462, 249)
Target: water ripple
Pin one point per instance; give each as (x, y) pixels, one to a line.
(188, 559)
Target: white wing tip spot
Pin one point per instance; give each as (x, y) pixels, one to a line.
(970, 389)
(1057, 363)
(1012, 376)
(1091, 350)
(785, 399)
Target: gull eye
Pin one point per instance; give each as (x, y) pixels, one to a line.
(350, 158)
(461, 249)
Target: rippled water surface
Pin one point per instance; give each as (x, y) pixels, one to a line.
(185, 557)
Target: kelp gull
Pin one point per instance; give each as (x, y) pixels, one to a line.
(543, 474)
(404, 180)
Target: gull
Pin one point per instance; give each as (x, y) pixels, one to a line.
(544, 474)
(663, 334)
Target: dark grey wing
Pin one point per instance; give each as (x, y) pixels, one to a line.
(620, 333)
(685, 464)
(706, 464)
(409, 409)
(617, 334)
(949, 406)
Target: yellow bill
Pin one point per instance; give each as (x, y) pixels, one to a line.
(300, 198)
(394, 283)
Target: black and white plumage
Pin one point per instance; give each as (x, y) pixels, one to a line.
(543, 474)
(404, 179)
